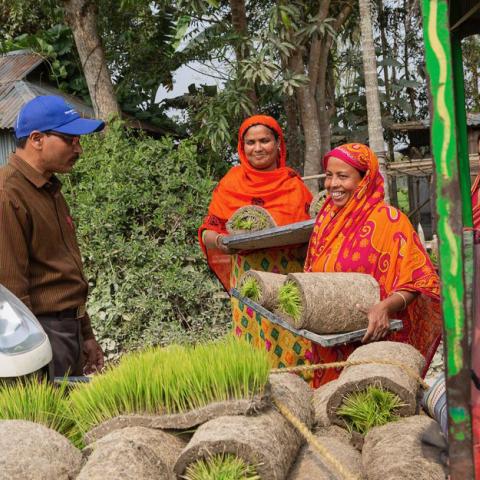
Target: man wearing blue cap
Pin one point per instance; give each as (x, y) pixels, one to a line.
(40, 261)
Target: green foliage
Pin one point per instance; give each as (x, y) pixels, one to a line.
(221, 467)
(172, 379)
(369, 408)
(251, 289)
(290, 300)
(40, 402)
(137, 204)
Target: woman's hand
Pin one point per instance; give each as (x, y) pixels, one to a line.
(378, 321)
(379, 314)
(220, 246)
(212, 240)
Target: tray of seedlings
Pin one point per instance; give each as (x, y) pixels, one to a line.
(321, 307)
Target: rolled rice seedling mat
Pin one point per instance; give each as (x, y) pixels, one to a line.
(329, 301)
(396, 451)
(321, 396)
(267, 441)
(250, 218)
(403, 382)
(221, 467)
(369, 408)
(265, 292)
(317, 203)
(134, 453)
(311, 465)
(30, 451)
(183, 421)
(176, 380)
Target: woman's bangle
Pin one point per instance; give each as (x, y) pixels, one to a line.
(403, 298)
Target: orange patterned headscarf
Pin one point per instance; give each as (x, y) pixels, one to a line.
(368, 236)
(281, 191)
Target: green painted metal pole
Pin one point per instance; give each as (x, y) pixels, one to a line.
(444, 139)
(462, 135)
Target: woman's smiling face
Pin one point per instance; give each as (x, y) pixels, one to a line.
(261, 148)
(341, 181)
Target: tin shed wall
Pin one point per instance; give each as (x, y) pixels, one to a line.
(7, 145)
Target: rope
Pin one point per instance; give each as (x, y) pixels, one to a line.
(308, 435)
(323, 366)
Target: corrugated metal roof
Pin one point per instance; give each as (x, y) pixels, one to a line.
(16, 90)
(473, 120)
(17, 65)
(15, 94)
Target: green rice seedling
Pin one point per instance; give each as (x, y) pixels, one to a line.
(221, 467)
(290, 300)
(251, 289)
(171, 380)
(369, 408)
(242, 223)
(40, 402)
(250, 219)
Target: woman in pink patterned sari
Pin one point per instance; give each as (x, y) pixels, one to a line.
(356, 231)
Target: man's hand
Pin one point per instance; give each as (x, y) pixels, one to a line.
(94, 361)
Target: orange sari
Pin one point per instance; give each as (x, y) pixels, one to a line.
(369, 236)
(280, 191)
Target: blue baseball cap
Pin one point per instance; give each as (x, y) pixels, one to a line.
(51, 112)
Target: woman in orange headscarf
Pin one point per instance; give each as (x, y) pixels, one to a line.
(356, 231)
(262, 179)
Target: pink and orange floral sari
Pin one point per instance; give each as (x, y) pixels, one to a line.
(369, 236)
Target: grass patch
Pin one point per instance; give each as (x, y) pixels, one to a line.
(251, 289)
(221, 467)
(290, 300)
(369, 408)
(172, 379)
(40, 402)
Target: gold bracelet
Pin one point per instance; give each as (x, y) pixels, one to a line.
(403, 298)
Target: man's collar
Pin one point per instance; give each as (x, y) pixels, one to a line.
(51, 184)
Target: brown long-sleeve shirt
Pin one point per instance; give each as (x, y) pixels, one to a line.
(40, 261)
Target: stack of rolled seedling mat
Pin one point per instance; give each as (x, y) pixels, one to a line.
(372, 406)
(261, 287)
(250, 218)
(266, 441)
(326, 303)
(398, 371)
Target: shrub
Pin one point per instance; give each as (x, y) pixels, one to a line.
(137, 203)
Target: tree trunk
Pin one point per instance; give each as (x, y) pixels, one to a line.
(294, 147)
(311, 127)
(81, 15)
(375, 130)
(240, 25)
(325, 91)
(383, 37)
